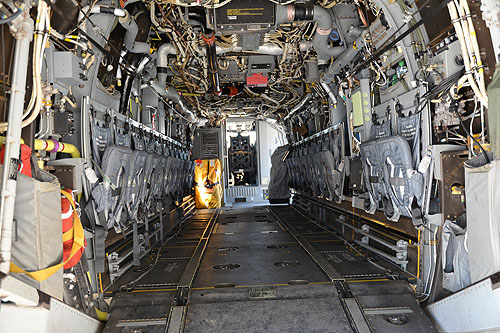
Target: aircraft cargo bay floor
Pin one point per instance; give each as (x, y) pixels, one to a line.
(261, 269)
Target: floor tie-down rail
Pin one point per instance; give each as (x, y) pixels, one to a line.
(262, 270)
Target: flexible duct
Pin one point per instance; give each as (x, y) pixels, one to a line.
(302, 12)
(131, 44)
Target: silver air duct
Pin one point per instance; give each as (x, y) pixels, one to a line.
(129, 41)
(160, 84)
(302, 12)
(344, 59)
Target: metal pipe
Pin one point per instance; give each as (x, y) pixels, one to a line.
(329, 92)
(344, 59)
(23, 36)
(160, 85)
(299, 106)
(55, 146)
(52, 146)
(98, 9)
(172, 94)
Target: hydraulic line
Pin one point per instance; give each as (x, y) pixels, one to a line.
(393, 43)
(471, 58)
(12, 145)
(12, 17)
(35, 103)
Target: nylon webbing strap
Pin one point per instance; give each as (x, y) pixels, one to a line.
(105, 178)
(99, 248)
(78, 243)
(397, 181)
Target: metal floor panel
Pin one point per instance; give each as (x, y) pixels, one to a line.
(139, 312)
(373, 288)
(386, 313)
(261, 272)
(287, 315)
(279, 292)
(258, 265)
(268, 238)
(245, 227)
(349, 263)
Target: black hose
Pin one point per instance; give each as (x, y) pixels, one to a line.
(143, 21)
(474, 139)
(213, 64)
(12, 17)
(198, 14)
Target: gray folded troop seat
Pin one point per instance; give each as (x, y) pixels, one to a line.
(331, 181)
(167, 175)
(110, 195)
(390, 179)
(137, 178)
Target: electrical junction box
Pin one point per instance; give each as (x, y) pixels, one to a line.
(259, 67)
(245, 16)
(67, 68)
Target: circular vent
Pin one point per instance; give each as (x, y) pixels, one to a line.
(287, 264)
(225, 267)
(397, 319)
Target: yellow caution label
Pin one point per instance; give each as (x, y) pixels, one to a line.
(245, 12)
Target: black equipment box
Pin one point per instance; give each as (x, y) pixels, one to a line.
(245, 16)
